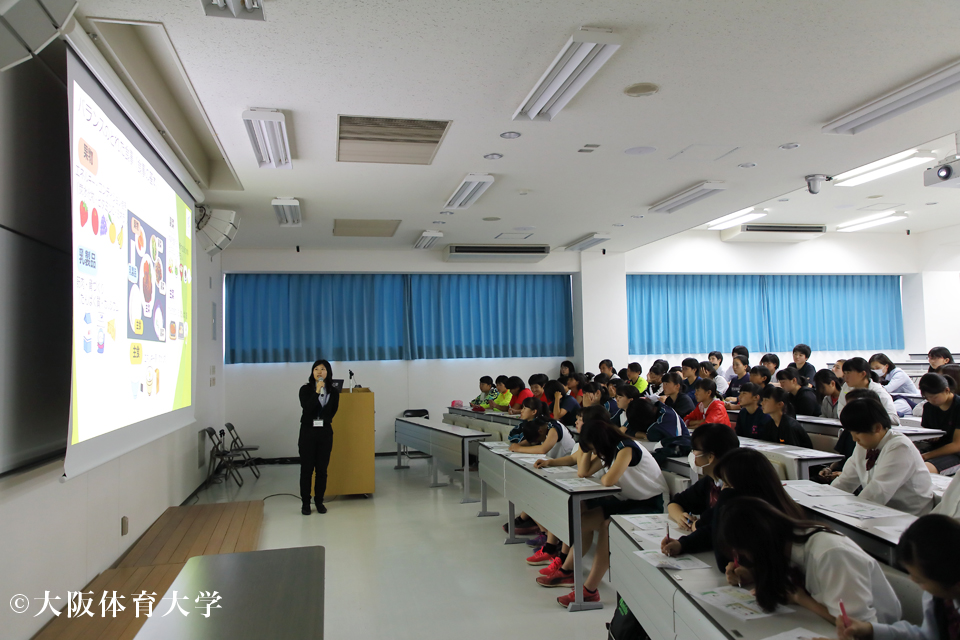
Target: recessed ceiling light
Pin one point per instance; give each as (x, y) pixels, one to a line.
(784, 200)
(491, 219)
(510, 135)
(787, 146)
(493, 156)
(873, 197)
(747, 165)
(446, 213)
(439, 222)
(639, 151)
(641, 89)
(617, 224)
(929, 204)
(637, 217)
(523, 192)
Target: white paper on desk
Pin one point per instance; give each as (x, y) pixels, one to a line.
(577, 483)
(679, 563)
(648, 520)
(652, 539)
(738, 603)
(497, 444)
(559, 469)
(939, 481)
(859, 510)
(795, 634)
(806, 453)
(760, 446)
(526, 457)
(815, 490)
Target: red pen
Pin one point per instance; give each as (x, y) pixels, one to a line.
(668, 532)
(843, 612)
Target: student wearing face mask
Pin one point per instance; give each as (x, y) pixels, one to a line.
(897, 383)
(319, 399)
(858, 375)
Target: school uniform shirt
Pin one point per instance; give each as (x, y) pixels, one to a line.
(484, 399)
(683, 405)
(668, 429)
(733, 391)
(936, 418)
(898, 384)
(935, 623)
(806, 371)
(805, 402)
(950, 502)
(643, 479)
(641, 385)
(877, 388)
(688, 388)
(520, 397)
(836, 569)
(565, 443)
(503, 400)
(845, 445)
(722, 385)
(752, 425)
(715, 412)
(572, 408)
(611, 406)
(654, 390)
(789, 432)
(700, 499)
(828, 408)
(898, 478)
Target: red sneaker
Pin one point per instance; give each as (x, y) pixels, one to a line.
(553, 568)
(556, 579)
(564, 601)
(540, 557)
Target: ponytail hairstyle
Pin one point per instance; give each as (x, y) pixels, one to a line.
(883, 360)
(932, 545)
(860, 365)
(934, 383)
(825, 378)
(791, 373)
(537, 405)
(602, 439)
(594, 387)
(750, 473)
(705, 384)
(763, 372)
(535, 431)
(952, 373)
(707, 367)
(778, 395)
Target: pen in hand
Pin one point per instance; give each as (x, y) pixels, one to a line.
(843, 613)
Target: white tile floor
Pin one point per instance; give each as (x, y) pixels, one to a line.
(412, 562)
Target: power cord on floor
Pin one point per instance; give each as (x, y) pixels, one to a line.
(283, 494)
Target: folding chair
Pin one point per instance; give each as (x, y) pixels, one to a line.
(221, 456)
(236, 444)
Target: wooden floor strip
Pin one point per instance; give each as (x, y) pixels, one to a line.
(250, 532)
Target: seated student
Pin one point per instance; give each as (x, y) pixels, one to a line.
(801, 353)
(627, 394)
(571, 385)
(518, 393)
(784, 428)
(930, 552)
(741, 376)
(828, 386)
(897, 383)
(622, 373)
(751, 420)
(654, 421)
(606, 368)
(708, 444)
(629, 466)
(633, 374)
(562, 407)
(531, 410)
(688, 369)
(545, 437)
(594, 394)
(838, 369)
(738, 350)
(488, 393)
(613, 390)
(655, 378)
(858, 375)
(804, 398)
(502, 403)
(744, 472)
(709, 409)
(708, 371)
(886, 463)
(673, 395)
(949, 504)
(802, 563)
(937, 357)
(537, 382)
(772, 362)
(567, 368)
(942, 411)
(761, 377)
(716, 359)
(845, 444)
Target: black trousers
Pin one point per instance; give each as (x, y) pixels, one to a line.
(315, 445)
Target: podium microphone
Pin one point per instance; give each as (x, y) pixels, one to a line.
(353, 378)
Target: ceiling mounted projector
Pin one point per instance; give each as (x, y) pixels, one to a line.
(216, 228)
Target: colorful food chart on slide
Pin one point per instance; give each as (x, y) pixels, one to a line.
(132, 320)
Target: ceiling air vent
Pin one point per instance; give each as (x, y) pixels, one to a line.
(787, 233)
(389, 140)
(495, 253)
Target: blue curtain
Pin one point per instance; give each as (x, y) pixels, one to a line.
(301, 317)
(701, 313)
(490, 316)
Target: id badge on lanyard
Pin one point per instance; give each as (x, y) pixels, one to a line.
(318, 423)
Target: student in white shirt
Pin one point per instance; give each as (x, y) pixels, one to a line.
(885, 463)
(542, 436)
(897, 383)
(708, 371)
(949, 504)
(857, 375)
(829, 386)
(803, 563)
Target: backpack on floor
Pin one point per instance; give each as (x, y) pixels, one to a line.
(624, 625)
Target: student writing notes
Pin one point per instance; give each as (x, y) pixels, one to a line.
(886, 463)
(710, 408)
(803, 563)
(930, 552)
(783, 428)
(942, 411)
(518, 393)
(949, 504)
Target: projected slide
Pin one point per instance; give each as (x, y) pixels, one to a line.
(132, 322)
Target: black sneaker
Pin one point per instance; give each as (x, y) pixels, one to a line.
(305, 510)
(321, 508)
(519, 523)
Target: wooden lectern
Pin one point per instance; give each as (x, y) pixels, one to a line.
(351, 462)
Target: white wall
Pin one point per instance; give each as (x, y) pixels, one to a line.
(261, 399)
(601, 310)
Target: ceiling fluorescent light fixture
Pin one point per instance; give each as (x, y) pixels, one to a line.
(924, 90)
(469, 190)
(583, 55)
(864, 223)
(737, 217)
(427, 239)
(882, 168)
(267, 129)
(288, 212)
(688, 197)
(587, 241)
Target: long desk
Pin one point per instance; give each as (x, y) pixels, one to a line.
(663, 603)
(489, 415)
(276, 593)
(910, 426)
(679, 466)
(798, 461)
(444, 442)
(549, 503)
(880, 544)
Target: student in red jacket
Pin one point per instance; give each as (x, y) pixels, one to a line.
(710, 408)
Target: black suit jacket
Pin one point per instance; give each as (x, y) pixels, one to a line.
(310, 402)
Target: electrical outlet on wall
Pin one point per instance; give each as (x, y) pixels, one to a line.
(213, 382)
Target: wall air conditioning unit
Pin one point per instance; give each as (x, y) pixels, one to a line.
(495, 252)
(773, 233)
